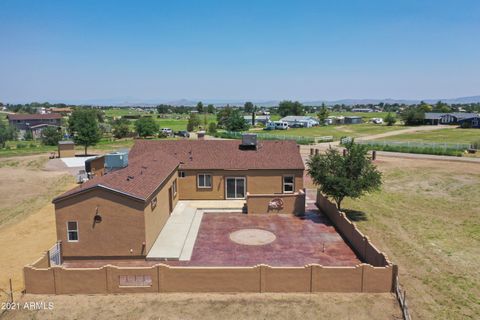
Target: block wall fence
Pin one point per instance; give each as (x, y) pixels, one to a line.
(377, 274)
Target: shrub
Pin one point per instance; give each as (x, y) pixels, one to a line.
(21, 146)
(476, 144)
(212, 128)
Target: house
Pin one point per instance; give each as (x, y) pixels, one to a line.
(435, 118)
(362, 110)
(263, 119)
(66, 111)
(473, 122)
(353, 120)
(121, 213)
(300, 121)
(34, 123)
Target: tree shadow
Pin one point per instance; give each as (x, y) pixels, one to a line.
(355, 215)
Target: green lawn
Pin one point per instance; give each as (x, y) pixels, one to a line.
(448, 135)
(337, 131)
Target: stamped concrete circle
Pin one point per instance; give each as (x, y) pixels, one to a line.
(252, 237)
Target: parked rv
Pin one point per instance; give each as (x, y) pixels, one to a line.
(281, 125)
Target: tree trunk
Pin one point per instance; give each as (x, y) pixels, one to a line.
(339, 203)
(86, 149)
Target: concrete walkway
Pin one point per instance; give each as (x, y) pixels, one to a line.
(177, 238)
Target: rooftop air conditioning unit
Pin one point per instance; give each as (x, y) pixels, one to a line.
(249, 141)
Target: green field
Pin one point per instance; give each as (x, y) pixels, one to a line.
(448, 135)
(337, 131)
(174, 121)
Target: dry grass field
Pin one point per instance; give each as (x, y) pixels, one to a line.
(425, 219)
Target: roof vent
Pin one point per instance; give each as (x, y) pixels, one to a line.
(249, 141)
(130, 178)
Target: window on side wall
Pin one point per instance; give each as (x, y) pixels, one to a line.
(153, 204)
(204, 180)
(288, 184)
(181, 174)
(174, 188)
(72, 231)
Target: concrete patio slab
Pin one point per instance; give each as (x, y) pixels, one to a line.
(76, 162)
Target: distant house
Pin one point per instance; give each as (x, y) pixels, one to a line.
(34, 122)
(435, 118)
(63, 111)
(473, 122)
(300, 121)
(362, 110)
(353, 120)
(258, 119)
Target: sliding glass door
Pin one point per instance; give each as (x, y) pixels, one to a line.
(235, 187)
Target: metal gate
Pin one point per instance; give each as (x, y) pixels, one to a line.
(55, 254)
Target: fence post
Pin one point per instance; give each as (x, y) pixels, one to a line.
(11, 290)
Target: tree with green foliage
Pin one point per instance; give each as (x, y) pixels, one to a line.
(442, 107)
(248, 107)
(287, 107)
(425, 107)
(146, 127)
(212, 128)
(211, 109)
(28, 136)
(323, 114)
(200, 107)
(236, 122)
(339, 176)
(413, 116)
(120, 128)
(163, 108)
(193, 122)
(51, 136)
(83, 125)
(223, 115)
(6, 133)
(390, 119)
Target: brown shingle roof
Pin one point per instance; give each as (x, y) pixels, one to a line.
(35, 116)
(224, 154)
(152, 162)
(140, 179)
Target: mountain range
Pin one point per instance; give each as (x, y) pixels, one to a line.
(129, 101)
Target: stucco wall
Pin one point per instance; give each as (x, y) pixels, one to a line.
(357, 240)
(292, 203)
(122, 228)
(66, 150)
(155, 219)
(262, 278)
(258, 182)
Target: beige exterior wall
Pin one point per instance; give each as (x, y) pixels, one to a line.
(156, 218)
(121, 232)
(310, 278)
(293, 203)
(258, 182)
(66, 150)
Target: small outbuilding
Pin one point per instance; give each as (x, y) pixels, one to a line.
(95, 167)
(66, 149)
(353, 120)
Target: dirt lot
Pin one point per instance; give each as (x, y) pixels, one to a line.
(216, 306)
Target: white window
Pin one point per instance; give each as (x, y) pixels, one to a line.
(288, 184)
(135, 281)
(204, 180)
(181, 174)
(72, 231)
(153, 204)
(174, 188)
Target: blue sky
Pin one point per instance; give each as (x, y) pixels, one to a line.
(258, 50)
